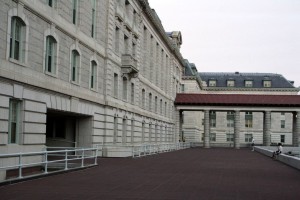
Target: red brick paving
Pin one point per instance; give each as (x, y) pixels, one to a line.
(197, 173)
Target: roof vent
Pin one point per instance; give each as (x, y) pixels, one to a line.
(237, 72)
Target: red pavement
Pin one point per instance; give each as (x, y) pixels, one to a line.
(197, 173)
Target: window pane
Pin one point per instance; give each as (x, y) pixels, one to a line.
(14, 110)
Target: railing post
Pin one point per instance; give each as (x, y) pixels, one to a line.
(46, 162)
(20, 165)
(96, 155)
(66, 160)
(82, 158)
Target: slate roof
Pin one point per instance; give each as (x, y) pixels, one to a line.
(278, 81)
(237, 100)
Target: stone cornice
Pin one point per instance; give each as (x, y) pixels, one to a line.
(149, 13)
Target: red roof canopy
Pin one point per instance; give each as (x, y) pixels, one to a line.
(237, 100)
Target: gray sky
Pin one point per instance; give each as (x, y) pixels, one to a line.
(237, 35)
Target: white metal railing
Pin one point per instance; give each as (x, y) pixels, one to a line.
(49, 161)
(150, 149)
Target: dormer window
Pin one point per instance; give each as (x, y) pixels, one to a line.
(267, 83)
(212, 83)
(249, 83)
(230, 83)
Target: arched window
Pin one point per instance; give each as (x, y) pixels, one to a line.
(17, 39)
(125, 88)
(93, 76)
(50, 55)
(143, 98)
(75, 66)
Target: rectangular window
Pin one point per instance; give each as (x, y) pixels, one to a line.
(126, 45)
(282, 123)
(14, 121)
(75, 66)
(74, 9)
(160, 107)
(93, 18)
(155, 104)
(212, 83)
(132, 131)
(212, 137)
(248, 120)
(93, 74)
(132, 93)
(143, 132)
(213, 117)
(116, 88)
(117, 37)
(125, 85)
(150, 102)
(229, 137)
(248, 83)
(230, 83)
(166, 107)
(143, 98)
(115, 138)
(50, 3)
(248, 137)
(282, 138)
(124, 131)
(230, 119)
(267, 83)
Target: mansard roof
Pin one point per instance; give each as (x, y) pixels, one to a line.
(277, 80)
(237, 100)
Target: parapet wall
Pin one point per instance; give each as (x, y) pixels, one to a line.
(292, 160)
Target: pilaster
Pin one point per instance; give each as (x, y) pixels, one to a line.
(267, 128)
(206, 129)
(296, 129)
(237, 126)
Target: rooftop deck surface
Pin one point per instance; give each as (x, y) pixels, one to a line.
(196, 173)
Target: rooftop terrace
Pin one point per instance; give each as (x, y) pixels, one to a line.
(196, 173)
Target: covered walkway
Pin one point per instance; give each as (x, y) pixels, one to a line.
(197, 173)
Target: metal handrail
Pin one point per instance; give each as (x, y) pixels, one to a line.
(64, 156)
(151, 149)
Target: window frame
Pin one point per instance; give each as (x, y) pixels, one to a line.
(229, 137)
(93, 26)
(267, 83)
(212, 137)
(75, 66)
(51, 44)
(248, 137)
(75, 12)
(212, 83)
(93, 75)
(116, 85)
(125, 88)
(248, 83)
(17, 35)
(230, 83)
(249, 119)
(14, 112)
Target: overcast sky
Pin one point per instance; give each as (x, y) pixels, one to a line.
(237, 35)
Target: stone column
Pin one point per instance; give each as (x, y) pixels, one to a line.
(206, 129)
(267, 128)
(237, 126)
(296, 129)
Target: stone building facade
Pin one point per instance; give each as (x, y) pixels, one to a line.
(81, 73)
(221, 124)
